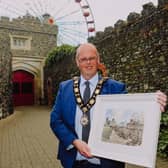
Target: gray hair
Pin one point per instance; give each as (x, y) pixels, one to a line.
(90, 45)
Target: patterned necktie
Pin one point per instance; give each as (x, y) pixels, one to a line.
(86, 128)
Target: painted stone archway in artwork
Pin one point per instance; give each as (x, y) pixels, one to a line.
(23, 88)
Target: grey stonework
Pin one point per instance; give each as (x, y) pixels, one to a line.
(162, 3)
(44, 35)
(42, 39)
(136, 51)
(6, 107)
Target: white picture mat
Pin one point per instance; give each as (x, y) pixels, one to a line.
(144, 154)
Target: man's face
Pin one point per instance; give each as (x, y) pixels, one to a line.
(87, 62)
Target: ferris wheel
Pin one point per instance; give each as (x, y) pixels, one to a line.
(74, 18)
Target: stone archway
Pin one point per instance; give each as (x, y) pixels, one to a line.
(37, 71)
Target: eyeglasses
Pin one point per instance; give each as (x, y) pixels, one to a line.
(85, 60)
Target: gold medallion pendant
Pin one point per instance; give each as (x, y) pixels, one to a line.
(84, 120)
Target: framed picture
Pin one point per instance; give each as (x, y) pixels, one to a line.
(125, 127)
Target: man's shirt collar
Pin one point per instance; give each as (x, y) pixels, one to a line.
(93, 81)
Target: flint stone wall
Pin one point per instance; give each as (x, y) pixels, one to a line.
(6, 107)
(136, 51)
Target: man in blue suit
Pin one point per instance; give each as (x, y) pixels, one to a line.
(70, 114)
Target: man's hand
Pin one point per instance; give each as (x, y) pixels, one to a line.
(162, 100)
(82, 147)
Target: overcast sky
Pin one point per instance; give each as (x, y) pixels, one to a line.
(108, 12)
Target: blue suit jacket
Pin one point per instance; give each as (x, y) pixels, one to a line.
(62, 119)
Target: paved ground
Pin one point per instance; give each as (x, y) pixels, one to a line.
(26, 140)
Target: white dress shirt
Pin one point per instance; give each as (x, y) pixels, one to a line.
(78, 127)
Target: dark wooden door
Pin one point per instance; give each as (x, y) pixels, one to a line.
(23, 88)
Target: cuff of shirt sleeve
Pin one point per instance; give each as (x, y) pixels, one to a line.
(70, 147)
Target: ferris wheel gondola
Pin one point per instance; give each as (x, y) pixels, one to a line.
(74, 18)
